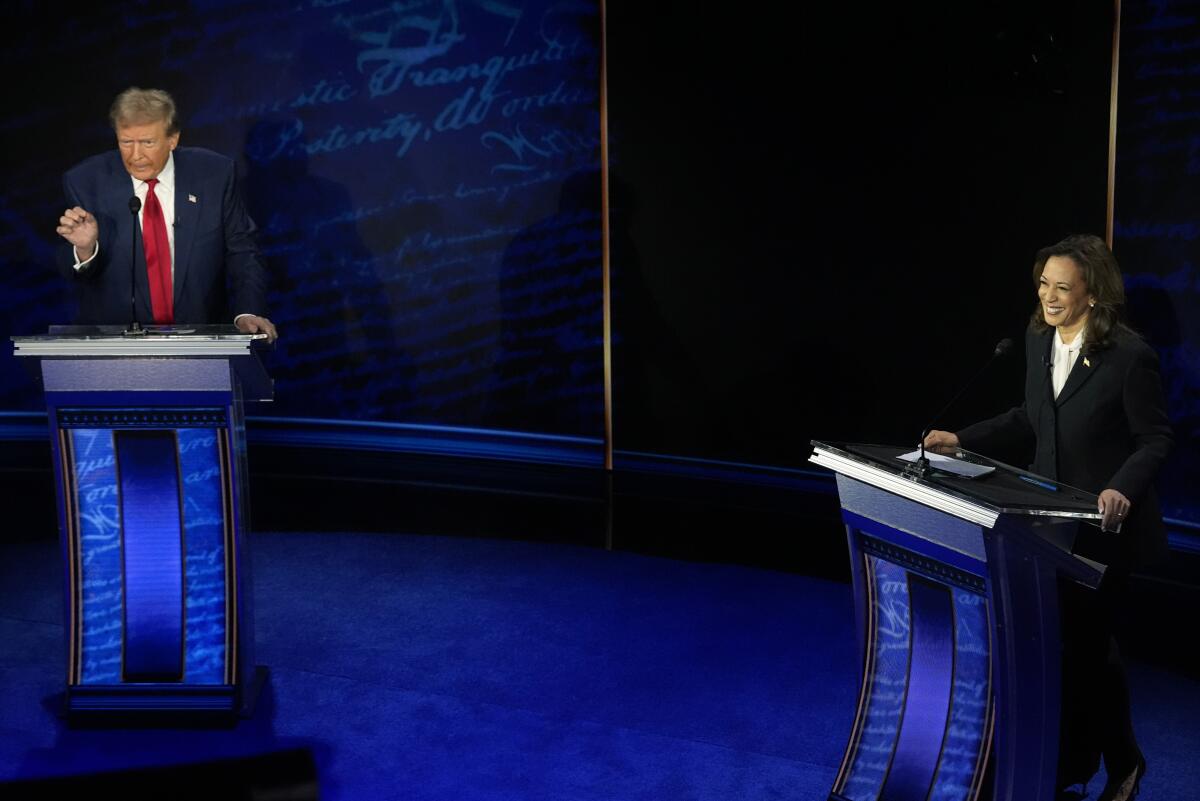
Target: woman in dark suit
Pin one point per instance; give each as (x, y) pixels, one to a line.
(1095, 413)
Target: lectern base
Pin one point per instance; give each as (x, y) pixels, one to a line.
(147, 704)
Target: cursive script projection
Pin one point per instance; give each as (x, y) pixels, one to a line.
(526, 150)
(968, 727)
(425, 176)
(204, 539)
(101, 605)
(400, 129)
(885, 700)
(1155, 229)
(416, 191)
(323, 91)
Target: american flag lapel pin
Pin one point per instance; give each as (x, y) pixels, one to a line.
(191, 198)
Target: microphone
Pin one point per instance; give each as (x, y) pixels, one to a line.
(921, 466)
(135, 328)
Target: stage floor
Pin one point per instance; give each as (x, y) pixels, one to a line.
(430, 667)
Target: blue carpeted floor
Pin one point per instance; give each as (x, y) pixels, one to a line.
(455, 669)
(460, 669)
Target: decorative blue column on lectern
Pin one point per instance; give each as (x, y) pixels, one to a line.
(956, 589)
(148, 442)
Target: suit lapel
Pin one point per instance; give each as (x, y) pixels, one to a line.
(187, 215)
(1086, 365)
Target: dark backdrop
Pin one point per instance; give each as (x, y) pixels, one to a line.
(828, 223)
(1157, 232)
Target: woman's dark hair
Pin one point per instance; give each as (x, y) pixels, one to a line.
(1101, 276)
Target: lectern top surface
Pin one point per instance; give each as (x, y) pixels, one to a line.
(1006, 489)
(94, 332)
(154, 341)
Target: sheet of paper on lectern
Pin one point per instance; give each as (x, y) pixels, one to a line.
(948, 464)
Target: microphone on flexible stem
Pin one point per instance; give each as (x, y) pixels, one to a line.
(135, 328)
(921, 466)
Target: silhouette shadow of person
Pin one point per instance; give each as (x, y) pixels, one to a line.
(341, 357)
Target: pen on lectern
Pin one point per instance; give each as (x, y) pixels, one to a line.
(1043, 484)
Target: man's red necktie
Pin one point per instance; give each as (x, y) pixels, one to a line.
(158, 257)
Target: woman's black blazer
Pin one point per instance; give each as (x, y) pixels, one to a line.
(1108, 428)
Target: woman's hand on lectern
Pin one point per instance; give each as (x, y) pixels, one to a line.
(1115, 508)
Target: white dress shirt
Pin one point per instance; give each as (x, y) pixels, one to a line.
(1063, 358)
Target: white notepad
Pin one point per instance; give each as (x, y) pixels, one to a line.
(948, 464)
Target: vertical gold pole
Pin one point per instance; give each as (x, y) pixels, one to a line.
(1112, 122)
(606, 292)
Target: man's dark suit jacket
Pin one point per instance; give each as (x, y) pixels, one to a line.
(218, 272)
(1108, 428)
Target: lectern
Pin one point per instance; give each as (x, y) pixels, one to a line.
(148, 444)
(956, 595)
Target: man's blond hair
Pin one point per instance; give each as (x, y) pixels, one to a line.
(137, 106)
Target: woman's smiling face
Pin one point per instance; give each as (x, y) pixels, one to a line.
(1064, 296)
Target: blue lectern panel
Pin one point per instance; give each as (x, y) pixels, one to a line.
(201, 463)
(99, 599)
(961, 768)
(927, 699)
(887, 681)
(196, 462)
(925, 714)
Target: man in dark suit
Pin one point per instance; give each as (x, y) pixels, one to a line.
(192, 247)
